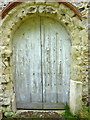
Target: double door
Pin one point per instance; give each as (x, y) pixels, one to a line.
(41, 70)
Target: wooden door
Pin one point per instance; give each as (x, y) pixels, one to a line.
(41, 56)
(27, 60)
(55, 64)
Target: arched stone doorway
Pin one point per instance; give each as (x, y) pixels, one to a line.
(41, 57)
(73, 25)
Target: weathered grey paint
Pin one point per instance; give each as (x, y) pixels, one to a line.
(55, 63)
(27, 59)
(41, 55)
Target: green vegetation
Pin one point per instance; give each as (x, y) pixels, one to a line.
(84, 113)
(68, 115)
(8, 114)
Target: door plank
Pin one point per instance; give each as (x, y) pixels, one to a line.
(66, 68)
(54, 106)
(28, 105)
(38, 105)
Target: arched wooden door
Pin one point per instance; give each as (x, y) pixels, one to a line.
(41, 57)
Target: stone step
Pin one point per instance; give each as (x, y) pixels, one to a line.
(40, 113)
(37, 114)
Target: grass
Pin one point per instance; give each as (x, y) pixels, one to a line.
(82, 114)
(85, 112)
(68, 115)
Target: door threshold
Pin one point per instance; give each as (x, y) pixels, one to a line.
(40, 113)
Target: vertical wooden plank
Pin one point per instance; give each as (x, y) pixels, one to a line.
(49, 62)
(27, 59)
(46, 61)
(66, 68)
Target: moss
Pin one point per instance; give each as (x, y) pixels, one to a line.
(8, 114)
(85, 112)
(61, 112)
